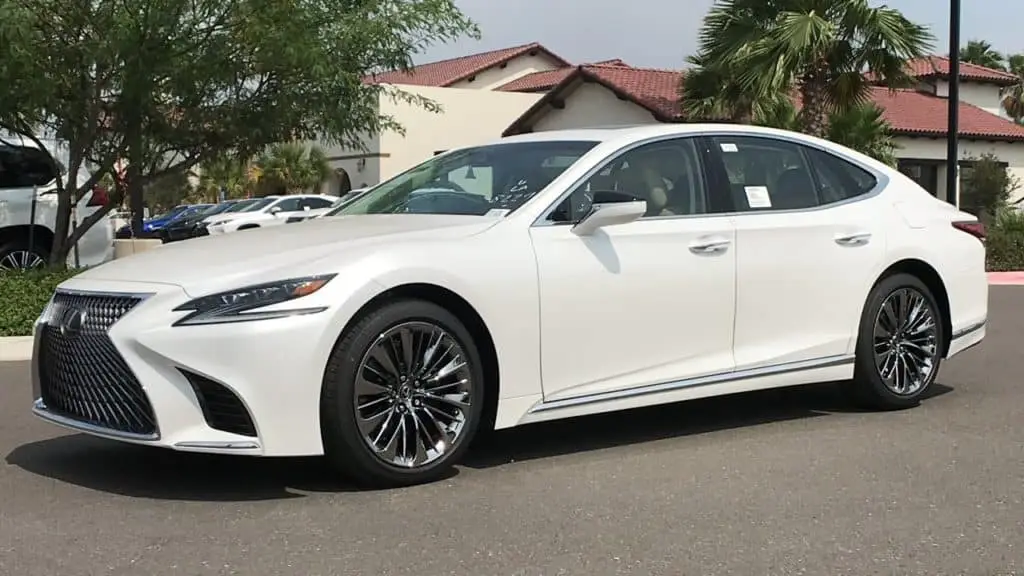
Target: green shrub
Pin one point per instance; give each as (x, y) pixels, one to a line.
(1004, 246)
(23, 296)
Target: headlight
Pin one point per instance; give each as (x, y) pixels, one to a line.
(243, 305)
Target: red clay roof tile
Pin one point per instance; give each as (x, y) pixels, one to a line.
(916, 113)
(448, 72)
(938, 66)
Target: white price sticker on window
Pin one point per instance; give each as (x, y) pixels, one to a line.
(728, 147)
(758, 197)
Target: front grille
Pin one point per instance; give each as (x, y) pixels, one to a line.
(82, 376)
(222, 409)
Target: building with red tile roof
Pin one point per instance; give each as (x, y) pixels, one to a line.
(465, 69)
(556, 94)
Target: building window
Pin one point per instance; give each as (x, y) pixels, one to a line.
(926, 174)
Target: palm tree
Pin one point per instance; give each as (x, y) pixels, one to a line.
(225, 172)
(862, 128)
(1013, 96)
(290, 168)
(981, 53)
(820, 49)
(710, 92)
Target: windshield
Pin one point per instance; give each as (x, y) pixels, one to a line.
(240, 205)
(257, 205)
(174, 212)
(471, 181)
(217, 209)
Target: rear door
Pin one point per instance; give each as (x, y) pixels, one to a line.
(808, 241)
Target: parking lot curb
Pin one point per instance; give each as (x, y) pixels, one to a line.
(15, 348)
(1006, 278)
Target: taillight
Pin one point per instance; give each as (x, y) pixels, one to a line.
(99, 196)
(974, 228)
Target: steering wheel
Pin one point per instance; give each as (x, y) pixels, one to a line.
(447, 185)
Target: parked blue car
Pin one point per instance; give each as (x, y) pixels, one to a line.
(152, 226)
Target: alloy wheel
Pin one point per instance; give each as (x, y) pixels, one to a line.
(905, 341)
(21, 260)
(413, 393)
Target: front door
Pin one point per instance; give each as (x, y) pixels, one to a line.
(809, 242)
(645, 303)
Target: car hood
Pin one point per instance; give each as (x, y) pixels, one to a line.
(213, 263)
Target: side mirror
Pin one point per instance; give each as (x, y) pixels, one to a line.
(275, 210)
(609, 214)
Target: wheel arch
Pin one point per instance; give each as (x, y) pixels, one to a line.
(40, 234)
(249, 226)
(464, 311)
(927, 274)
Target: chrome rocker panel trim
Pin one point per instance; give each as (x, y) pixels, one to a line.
(721, 378)
(970, 329)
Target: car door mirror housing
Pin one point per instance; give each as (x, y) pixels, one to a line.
(275, 210)
(609, 214)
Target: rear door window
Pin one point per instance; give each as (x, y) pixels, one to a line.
(23, 167)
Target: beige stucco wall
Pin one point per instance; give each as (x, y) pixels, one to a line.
(468, 117)
(984, 96)
(933, 149)
(593, 105)
(494, 77)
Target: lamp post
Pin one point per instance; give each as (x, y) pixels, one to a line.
(953, 127)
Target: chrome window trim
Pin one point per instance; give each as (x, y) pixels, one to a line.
(881, 179)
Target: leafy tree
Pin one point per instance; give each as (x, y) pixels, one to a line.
(981, 53)
(169, 84)
(291, 168)
(819, 49)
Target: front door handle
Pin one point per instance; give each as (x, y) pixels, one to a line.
(710, 245)
(854, 239)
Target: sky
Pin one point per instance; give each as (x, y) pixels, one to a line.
(661, 33)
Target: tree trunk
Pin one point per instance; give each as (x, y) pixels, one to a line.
(813, 114)
(61, 227)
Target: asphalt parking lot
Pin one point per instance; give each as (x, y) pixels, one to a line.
(783, 482)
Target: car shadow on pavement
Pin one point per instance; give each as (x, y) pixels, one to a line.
(145, 472)
(586, 433)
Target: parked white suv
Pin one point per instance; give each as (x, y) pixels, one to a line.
(25, 170)
(270, 211)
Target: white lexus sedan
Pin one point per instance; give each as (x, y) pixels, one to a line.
(269, 211)
(539, 277)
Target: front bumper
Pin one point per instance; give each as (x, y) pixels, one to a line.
(203, 383)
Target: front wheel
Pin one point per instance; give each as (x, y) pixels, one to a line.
(403, 395)
(18, 256)
(899, 346)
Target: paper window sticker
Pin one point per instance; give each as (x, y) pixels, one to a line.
(496, 212)
(758, 197)
(728, 147)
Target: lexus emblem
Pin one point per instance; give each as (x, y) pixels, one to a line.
(70, 322)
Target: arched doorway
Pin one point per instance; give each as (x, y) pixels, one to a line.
(337, 183)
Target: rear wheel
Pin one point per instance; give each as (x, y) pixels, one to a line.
(402, 395)
(899, 346)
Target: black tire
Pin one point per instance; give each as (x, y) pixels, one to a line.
(344, 443)
(14, 254)
(868, 388)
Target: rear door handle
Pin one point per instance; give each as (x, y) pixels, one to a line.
(710, 245)
(854, 239)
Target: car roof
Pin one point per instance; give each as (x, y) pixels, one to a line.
(643, 131)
